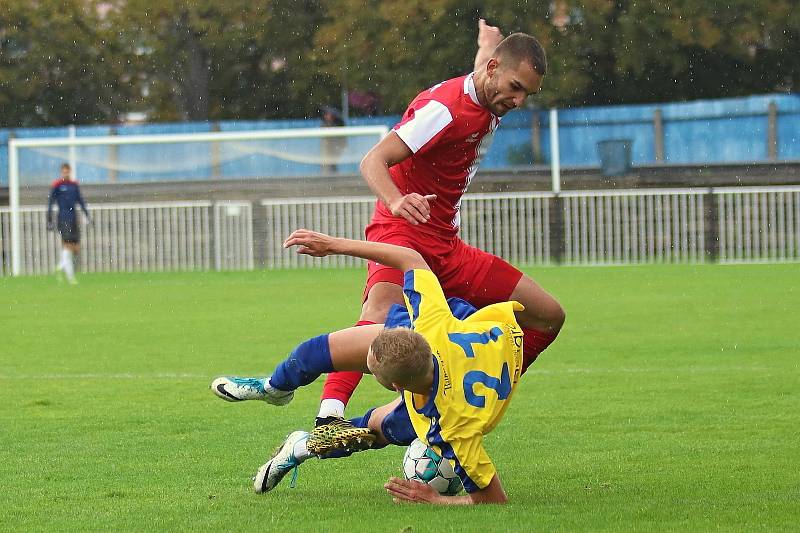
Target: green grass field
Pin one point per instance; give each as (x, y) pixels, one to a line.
(671, 401)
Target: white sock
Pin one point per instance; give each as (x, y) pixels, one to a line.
(330, 407)
(66, 264)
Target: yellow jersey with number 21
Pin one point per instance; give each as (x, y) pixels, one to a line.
(477, 364)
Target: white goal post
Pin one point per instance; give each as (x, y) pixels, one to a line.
(184, 156)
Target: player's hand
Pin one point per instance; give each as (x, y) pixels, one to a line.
(488, 36)
(404, 490)
(415, 208)
(311, 243)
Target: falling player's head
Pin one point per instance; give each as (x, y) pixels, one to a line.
(400, 358)
(514, 72)
(66, 171)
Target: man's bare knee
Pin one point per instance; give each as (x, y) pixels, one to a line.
(380, 299)
(542, 311)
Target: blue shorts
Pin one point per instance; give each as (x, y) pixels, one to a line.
(396, 426)
(398, 314)
(70, 232)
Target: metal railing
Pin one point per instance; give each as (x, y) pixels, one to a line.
(629, 227)
(342, 216)
(515, 226)
(728, 225)
(146, 237)
(759, 224)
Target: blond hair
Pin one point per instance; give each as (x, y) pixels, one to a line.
(402, 356)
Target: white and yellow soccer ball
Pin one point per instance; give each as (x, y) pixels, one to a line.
(421, 463)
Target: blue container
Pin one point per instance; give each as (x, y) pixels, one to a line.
(615, 157)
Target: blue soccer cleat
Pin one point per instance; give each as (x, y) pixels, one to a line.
(233, 389)
(288, 457)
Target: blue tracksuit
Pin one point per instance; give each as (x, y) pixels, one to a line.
(66, 194)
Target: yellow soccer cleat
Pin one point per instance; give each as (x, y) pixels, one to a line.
(334, 434)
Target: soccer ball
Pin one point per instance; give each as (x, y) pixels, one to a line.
(421, 463)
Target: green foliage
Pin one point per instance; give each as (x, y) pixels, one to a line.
(59, 64)
(83, 61)
(205, 59)
(669, 402)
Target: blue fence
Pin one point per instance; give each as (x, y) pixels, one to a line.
(710, 131)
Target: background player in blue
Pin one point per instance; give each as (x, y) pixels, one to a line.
(456, 372)
(66, 193)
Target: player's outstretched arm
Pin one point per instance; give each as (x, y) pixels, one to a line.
(50, 200)
(413, 207)
(488, 39)
(403, 490)
(320, 245)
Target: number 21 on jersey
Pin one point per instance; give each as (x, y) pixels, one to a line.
(501, 385)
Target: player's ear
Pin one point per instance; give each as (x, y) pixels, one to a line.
(491, 67)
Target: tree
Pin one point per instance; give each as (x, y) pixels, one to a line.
(205, 59)
(603, 52)
(397, 49)
(58, 64)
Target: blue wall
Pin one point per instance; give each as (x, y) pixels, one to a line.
(708, 131)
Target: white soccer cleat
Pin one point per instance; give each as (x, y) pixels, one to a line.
(234, 389)
(288, 457)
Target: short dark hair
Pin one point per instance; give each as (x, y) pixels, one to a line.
(519, 47)
(65, 165)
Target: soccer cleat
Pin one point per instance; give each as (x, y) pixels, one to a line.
(337, 434)
(284, 460)
(233, 389)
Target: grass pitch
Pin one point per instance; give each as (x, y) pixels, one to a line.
(670, 401)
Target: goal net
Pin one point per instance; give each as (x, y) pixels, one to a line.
(300, 152)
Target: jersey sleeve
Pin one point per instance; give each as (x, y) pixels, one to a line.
(50, 200)
(473, 465)
(423, 124)
(425, 299)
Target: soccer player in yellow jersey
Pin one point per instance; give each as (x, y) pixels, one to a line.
(456, 375)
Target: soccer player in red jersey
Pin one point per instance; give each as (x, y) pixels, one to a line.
(419, 172)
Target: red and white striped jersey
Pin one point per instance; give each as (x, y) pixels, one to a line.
(448, 131)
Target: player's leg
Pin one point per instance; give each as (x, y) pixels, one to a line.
(61, 270)
(383, 289)
(331, 429)
(543, 316)
(70, 237)
(338, 351)
(68, 261)
(541, 320)
(389, 423)
(495, 280)
(75, 248)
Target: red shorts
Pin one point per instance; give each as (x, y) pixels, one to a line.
(464, 271)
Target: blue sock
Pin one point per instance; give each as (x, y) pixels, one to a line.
(362, 421)
(305, 364)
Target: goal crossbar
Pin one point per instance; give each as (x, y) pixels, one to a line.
(14, 145)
